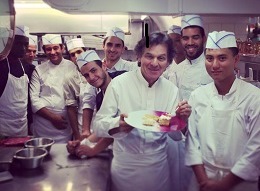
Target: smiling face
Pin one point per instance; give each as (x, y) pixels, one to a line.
(113, 49)
(154, 61)
(94, 74)
(220, 64)
(54, 53)
(193, 42)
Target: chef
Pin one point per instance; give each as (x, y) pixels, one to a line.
(114, 46)
(224, 135)
(191, 73)
(47, 92)
(14, 88)
(74, 88)
(174, 33)
(140, 161)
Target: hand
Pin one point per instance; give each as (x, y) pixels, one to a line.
(123, 126)
(72, 146)
(211, 185)
(85, 134)
(59, 122)
(84, 150)
(183, 110)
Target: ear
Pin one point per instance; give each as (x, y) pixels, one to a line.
(104, 66)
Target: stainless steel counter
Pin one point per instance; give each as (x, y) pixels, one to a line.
(61, 171)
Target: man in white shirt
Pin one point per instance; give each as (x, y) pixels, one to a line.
(140, 161)
(114, 47)
(74, 86)
(47, 93)
(191, 73)
(224, 135)
(174, 33)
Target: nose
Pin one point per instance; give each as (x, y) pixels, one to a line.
(215, 64)
(154, 62)
(190, 41)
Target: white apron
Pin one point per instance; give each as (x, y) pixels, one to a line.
(223, 124)
(13, 105)
(152, 169)
(42, 127)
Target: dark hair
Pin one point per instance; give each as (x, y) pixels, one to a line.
(43, 47)
(104, 41)
(202, 31)
(155, 38)
(99, 63)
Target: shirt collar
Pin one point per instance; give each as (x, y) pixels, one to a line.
(143, 80)
(200, 59)
(231, 91)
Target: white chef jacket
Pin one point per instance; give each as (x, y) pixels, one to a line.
(188, 75)
(89, 99)
(46, 90)
(74, 86)
(170, 69)
(243, 153)
(126, 93)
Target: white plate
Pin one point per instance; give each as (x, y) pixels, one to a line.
(135, 119)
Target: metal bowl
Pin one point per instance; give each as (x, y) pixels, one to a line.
(30, 157)
(41, 142)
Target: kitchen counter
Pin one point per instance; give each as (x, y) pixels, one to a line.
(61, 171)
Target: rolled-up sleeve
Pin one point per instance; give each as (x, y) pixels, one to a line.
(89, 98)
(35, 88)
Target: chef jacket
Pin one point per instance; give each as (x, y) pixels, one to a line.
(52, 98)
(89, 99)
(123, 65)
(188, 75)
(130, 92)
(243, 154)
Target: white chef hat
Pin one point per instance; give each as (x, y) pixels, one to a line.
(174, 29)
(22, 30)
(191, 20)
(222, 39)
(87, 56)
(51, 39)
(115, 31)
(74, 43)
(33, 40)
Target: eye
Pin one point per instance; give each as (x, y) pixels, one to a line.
(209, 58)
(196, 37)
(222, 58)
(161, 58)
(149, 56)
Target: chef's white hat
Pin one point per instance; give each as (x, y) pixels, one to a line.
(74, 43)
(115, 31)
(33, 40)
(87, 56)
(174, 29)
(22, 30)
(51, 39)
(191, 20)
(222, 39)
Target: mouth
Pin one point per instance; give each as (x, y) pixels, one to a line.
(216, 72)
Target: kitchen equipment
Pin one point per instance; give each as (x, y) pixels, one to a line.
(30, 158)
(41, 142)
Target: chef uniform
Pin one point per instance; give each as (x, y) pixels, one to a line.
(140, 160)
(75, 84)
(224, 132)
(187, 76)
(174, 29)
(89, 99)
(14, 99)
(46, 90)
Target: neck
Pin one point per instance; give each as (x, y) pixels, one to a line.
(224, 86)
(108, 80)
(110, 63)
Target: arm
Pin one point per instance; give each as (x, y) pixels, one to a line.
(73, 119)
(87, 118)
